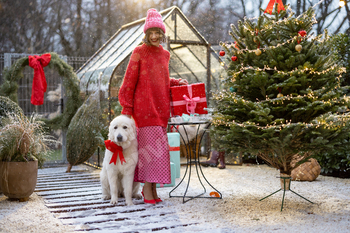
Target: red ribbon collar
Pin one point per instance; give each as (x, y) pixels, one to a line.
(39, 82)
(116, 150)
(272, 3)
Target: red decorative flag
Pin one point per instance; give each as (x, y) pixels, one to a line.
(116, 150)
(269, 7)
(39, 82)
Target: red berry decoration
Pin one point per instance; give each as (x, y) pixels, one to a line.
(222, 53)
(234, 58)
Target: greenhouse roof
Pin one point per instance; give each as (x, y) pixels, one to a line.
(190, 54)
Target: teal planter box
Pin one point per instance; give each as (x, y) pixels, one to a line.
(173, 173)
(174, 149)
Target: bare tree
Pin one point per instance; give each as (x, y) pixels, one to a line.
(24, 26)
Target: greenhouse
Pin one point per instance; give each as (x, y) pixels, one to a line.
(192, 58)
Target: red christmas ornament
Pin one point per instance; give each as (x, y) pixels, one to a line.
(302, 33)
(234, 58)
(236, 46)
(222, 53)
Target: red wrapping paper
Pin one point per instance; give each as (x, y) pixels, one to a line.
(188, 99)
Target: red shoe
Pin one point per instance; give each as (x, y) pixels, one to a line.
(148, 201)
(158, 200)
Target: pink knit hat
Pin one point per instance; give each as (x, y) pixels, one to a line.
(153, 20)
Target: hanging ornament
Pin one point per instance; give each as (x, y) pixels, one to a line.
(272, 3)
(279, 95)
(222, 53)
(232, 89)
(236, 45)
(234, 58)
(298, 47)
(302, 33)
(258, 52)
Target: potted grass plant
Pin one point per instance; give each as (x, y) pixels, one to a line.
(24, 144)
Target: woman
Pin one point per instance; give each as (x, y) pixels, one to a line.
(145, 95)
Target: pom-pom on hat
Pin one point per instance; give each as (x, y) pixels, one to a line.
(153, 20)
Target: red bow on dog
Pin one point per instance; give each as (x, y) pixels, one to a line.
(116, 150)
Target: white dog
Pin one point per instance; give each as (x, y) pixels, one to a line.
(118, 179)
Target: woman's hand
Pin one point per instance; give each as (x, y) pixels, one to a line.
(183, 82)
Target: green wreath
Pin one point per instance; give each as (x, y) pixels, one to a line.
(12, 75)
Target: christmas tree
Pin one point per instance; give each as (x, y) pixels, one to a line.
(282, 97)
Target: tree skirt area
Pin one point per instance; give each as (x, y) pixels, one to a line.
(239, 211)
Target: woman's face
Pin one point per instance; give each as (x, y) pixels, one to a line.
(154, 37)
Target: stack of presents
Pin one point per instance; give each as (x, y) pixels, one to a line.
(187, 103)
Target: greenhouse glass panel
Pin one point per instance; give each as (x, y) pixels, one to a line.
(184, 32)
(102, 52)
(192, 63)
(119, 46)
(169, 27)
(200, 52)
(127, 49)
(180, 70)
(218, 72)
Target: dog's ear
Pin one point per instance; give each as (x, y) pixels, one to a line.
(110, 135)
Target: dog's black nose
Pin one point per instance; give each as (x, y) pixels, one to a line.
(119, 138)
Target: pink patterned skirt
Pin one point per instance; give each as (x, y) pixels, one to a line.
(154, 158)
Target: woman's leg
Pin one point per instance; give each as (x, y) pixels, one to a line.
(154, 191)
(148, 191)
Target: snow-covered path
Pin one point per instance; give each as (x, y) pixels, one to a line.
(240, 210)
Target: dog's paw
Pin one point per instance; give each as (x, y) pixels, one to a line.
(106, 197)
(129, 203)
(114, 201)
(137, 196)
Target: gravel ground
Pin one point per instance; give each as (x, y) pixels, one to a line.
(239, 211)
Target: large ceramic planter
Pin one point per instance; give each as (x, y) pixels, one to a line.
(18, 179)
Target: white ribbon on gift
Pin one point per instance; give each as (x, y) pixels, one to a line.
(191, 102)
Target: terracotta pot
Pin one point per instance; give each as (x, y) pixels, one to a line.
(285, 183)
(18, 179)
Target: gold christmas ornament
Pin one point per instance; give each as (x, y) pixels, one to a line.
(298, 47)
(279, 95)
(257, 52)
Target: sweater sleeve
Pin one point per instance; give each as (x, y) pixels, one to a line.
(127, 90)
(174, 82)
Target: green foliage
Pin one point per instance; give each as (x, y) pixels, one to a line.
(23, 139)
(337, 160)
(8, 106)
(11, 76)
(83, 135)
(312, 114)
(341, 45)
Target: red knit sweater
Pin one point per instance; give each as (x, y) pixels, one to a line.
(145, 92)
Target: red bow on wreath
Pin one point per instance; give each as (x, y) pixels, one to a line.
(39, 82)
(116, 150)
(269, 7)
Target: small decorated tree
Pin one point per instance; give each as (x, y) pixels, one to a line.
(283, 96)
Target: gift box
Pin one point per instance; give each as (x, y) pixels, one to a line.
(188, 99)
(174, 150)
(173, 174)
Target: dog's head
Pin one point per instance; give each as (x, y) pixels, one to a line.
(122, 131)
